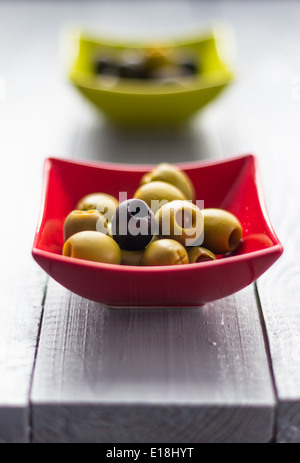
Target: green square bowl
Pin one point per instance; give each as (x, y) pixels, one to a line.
(145, 103)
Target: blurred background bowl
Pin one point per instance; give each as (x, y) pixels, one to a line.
(146, 103)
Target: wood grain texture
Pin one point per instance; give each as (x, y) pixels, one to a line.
(263, 114)
(155, 375)
(32, 126)
(107, 375)
(228, 372)
(144, 423)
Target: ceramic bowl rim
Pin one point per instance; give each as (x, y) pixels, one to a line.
(276, 248)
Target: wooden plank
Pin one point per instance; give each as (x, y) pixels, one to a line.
(203, 374)
(263, 117)
(155, 375)
(173, 375)
(34, 123)
(206, 376)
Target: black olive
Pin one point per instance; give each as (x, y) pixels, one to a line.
(133, 225)
(133, 71)
(105, 66)
(189, 67)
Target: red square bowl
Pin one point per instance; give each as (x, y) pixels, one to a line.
(233, 184)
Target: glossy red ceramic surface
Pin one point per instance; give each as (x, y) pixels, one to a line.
(233, 184)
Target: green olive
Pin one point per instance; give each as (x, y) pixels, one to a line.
(107, 207)
(146, 178)
(171, 174)
(166, 71)
(109, 230)
(165, 252)
(155, 194)
(155, 238)
(157, 56)
(93, 245)
(91, 201)
(78, 221)
(181, 221)
(222, 230)
(199, 254)
(132, 257)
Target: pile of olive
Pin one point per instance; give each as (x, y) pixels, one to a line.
(159, 64)
(160, 225)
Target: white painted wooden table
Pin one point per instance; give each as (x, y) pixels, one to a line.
(75, 371)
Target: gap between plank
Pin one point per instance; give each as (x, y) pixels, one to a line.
(71, 155)
(43, 303)
(268, 354)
